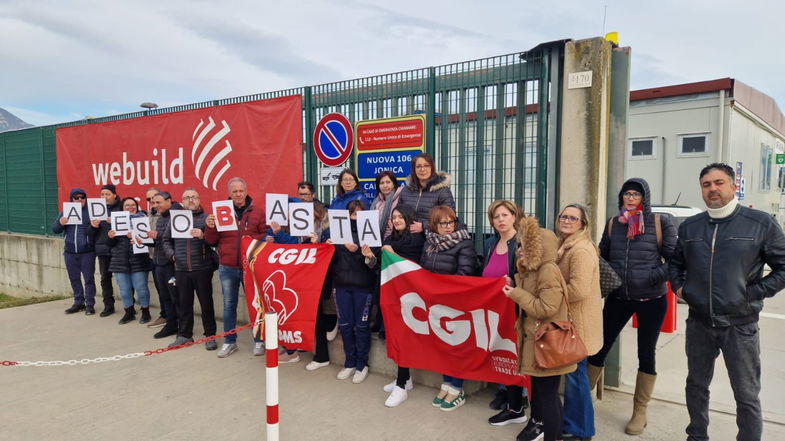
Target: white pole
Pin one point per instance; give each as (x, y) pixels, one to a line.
(271, 373)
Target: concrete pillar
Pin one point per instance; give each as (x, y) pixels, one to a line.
(585, 131)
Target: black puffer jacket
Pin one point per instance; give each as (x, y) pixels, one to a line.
(349, 269)
(102, 245)
(726, 287)
(161, 227)
(436, 192)
(460, 260)
(123, 258)
(189, 254)
(638, 261)
(407, 245)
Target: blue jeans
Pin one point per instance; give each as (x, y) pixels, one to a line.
(740, 347)
(230, 287)
(79, 266)
(578, 409)
(130, 282)
(456, 383)
(354, 306)
(231, 279)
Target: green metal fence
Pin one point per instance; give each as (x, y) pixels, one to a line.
(487, 124)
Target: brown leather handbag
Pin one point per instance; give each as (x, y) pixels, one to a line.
(557, 343)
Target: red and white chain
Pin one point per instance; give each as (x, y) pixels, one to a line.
(120, 357)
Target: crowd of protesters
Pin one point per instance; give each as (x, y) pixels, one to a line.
(550, 276)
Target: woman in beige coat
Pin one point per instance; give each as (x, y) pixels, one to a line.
(579, 264)
(539, 290)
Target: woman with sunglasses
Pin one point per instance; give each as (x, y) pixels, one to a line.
(130, 269)
(448, 250)
(578, 262)
(630, 244)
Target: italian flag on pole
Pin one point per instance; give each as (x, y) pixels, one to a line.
(455, 325)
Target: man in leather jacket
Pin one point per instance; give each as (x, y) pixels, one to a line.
(717, 269)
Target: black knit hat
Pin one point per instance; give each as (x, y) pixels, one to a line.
(110, 187)
(632, 185)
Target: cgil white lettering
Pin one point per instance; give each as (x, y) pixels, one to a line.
(455, 332)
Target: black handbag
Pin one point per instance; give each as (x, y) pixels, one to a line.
(609, 278)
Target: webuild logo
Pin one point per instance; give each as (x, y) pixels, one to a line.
(208, 158)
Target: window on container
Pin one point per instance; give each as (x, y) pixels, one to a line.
(697, 145)
(643, 148)
(766, 160)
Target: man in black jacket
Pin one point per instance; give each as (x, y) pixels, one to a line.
(163, 267)
(717, 269)
(102, 248)
(193, 271)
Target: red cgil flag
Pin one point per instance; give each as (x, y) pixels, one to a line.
(287, 279)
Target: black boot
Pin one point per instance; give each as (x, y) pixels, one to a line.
(145, 315)
(108, 310)
(130, 315)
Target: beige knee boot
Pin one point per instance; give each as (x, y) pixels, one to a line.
(644, 385)
(596, 378)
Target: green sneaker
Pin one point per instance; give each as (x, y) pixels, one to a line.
(453, 401)
(437, 402)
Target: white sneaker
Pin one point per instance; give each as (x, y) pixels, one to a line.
(345, 373)
(314, 365)
(258, 348)
(334, 333)
(397, 396)
(360, 376)
(226, 350)
(391, 386)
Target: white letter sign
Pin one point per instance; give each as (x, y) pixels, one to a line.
(72, 211)
(141, 229)
(340, 226)
(277, 208)
(224, 216)
(368, 228)
(301, 218)
(182, 223)
(121, 222)
(97, 208)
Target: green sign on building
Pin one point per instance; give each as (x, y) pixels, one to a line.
(780, 158)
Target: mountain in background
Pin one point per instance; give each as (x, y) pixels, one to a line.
(10, 122)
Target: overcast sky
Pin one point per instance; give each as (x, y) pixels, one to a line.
(63, 60)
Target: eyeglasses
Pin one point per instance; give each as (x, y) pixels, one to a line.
(568, 218)
(632, 194)
(347, 180)
(190, 198)
(78, 197)
(304, 195)
(421, 167)
(446, 224)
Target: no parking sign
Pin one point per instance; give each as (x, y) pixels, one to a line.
(333, 139)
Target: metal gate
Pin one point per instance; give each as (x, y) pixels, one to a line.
(490, 124)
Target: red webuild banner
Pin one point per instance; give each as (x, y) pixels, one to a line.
(259, 141)
(455, 325)
(287, 279)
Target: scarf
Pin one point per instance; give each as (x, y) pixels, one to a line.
(634, 220)
(443, 242)
(723, 212)
(385, 207)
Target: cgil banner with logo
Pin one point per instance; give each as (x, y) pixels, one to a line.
(455, 325)
(259, 141)
(287, 279)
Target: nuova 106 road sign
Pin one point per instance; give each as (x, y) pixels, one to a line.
(333, 139)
